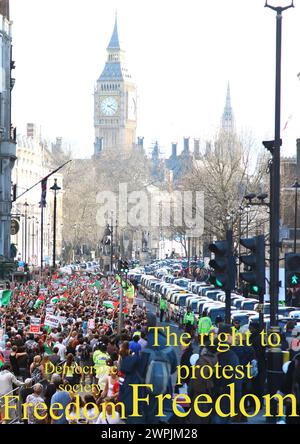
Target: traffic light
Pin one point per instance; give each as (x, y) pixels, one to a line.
(292, 270)
(223, 264)
(255, 262)
(123, 266)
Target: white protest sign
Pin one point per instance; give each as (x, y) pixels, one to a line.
(35, 324)
(51, 321)
(62, 320)
(49, 309)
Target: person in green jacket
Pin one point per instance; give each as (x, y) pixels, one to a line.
(189, 321)
(163, 307)
(204, 324)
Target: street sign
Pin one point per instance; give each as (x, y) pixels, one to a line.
(35, 325)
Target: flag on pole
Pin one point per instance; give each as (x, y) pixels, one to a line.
(5, 297)
(40, 300)
(286, 124)
(1, 361)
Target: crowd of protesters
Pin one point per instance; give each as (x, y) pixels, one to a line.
(89, 356)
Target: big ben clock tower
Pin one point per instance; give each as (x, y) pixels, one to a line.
(115, 103)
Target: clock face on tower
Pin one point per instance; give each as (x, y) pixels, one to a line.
(109, 106)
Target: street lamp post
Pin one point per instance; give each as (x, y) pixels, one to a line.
(26, 205)
(296, 186)
(54, 188)
(32, 238)
(241, 208)
(275, 192)
(111, 244)
(274, 356)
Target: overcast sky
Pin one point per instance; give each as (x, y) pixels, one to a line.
(181, 55)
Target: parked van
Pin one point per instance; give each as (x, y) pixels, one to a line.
(213, 294)
(248, 304)
(201, 290)
(214, 310)
(200, 305)
(238, 302)
(182, 282)
(242, 316)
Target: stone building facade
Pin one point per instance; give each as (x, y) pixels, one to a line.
(34, 161)
(7, 132)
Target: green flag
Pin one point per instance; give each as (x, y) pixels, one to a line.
(97, 284)
(5, 297)
(108, 304)
(40, 300)
(57, 298)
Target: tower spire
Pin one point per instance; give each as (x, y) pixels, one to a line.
(4, 8)
(227, 118)
(114, 41)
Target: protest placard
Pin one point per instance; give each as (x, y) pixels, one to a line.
(49, 309)
(35, 325)
(51, 321)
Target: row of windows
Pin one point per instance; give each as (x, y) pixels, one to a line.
(109, 122)
(114, 57)
(110, 87)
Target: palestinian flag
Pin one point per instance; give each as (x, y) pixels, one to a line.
(40, 300)
(108, 304)
(5, 297)
(1, 361)
(57, 298)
